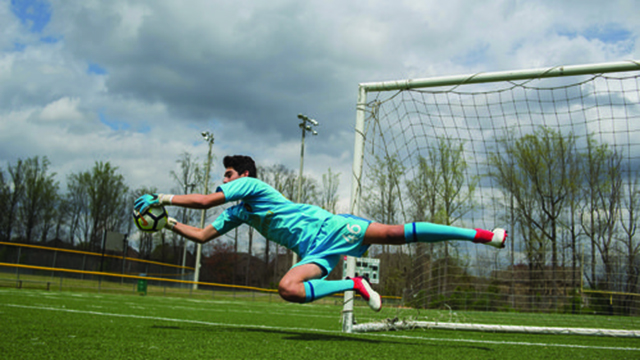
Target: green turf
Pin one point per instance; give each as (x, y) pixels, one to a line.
(36, 324)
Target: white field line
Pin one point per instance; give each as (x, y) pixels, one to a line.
(333, 332)
(287, 309)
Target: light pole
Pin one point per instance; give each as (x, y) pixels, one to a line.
(208, 137)
(184, 221)
(305, 127)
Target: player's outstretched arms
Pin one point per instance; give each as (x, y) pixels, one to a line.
(192, 201)
(198, 201)
(192, 233)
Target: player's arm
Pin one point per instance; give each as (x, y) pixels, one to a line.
(193, 233)
(192, 201)
(198, 201)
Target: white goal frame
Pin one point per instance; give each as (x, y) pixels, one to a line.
(358, 157)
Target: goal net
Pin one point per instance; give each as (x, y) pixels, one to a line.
(552, 155)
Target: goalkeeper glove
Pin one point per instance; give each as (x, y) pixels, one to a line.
(171, 223)
(146, 200)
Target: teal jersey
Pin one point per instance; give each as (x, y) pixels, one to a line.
(292, 225)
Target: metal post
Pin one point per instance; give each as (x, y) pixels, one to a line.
(125, 249)
(18, 262)
(196, 275)
(299, 197)
(55, 255)
(305, 127)
(294, 256)
(104, 245)
(358, 154)
(184, 240)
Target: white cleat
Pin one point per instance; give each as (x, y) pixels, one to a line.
(361, 286)
(499, 238)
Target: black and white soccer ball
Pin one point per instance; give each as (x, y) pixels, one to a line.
(153, 219)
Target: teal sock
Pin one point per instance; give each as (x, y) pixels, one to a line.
(429, 233)
(316, 289)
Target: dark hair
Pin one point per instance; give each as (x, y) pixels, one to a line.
(241, 163)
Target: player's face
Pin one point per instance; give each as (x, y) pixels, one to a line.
(230, 174)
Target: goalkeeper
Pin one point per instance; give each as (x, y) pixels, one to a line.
(316, 235)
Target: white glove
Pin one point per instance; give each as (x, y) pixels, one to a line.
(165, 199)
(171, 223)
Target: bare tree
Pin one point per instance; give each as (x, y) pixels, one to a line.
(534, 170)
(602, 205)
(329, 191)
(13, 196)
(455, 189)
(37, 202)
(572, 224)
(310, 193)
(279, 177)
(101, 198)
(186, 179)
(382, 191)
(629, 241)
(423, 201)
(77, 208)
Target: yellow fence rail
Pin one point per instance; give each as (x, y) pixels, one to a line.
(126, 276)
(95, 254)
(137, 277)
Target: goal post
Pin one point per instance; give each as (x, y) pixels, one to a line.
(515, 98)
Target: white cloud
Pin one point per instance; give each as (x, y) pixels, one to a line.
(65, 109)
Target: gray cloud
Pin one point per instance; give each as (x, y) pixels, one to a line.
(245, 69)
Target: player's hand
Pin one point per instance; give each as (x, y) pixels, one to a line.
(171, 222)
(147, 200)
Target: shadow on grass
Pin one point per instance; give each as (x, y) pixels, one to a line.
(314, 336)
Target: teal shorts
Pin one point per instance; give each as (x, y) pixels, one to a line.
(338, 236)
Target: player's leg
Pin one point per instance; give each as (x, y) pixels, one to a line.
(292, 288)
(428, 232)
(303, 284)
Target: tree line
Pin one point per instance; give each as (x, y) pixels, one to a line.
(35, 209)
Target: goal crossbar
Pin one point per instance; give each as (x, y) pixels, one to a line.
(556, 71)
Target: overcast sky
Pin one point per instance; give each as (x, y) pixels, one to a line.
(135, 82)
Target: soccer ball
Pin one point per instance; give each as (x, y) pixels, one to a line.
(152, 220)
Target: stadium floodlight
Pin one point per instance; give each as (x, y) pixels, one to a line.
(208, 137)
(305, 118)
(481, 122)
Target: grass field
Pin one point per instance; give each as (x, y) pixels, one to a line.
(37, 324)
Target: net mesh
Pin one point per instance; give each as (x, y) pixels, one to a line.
(554, 161)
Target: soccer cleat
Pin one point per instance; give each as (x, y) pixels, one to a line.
(498, 239)
(361, 286)
(495, 238)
